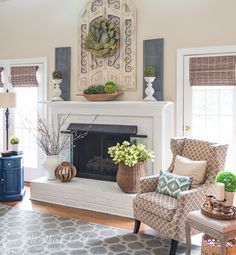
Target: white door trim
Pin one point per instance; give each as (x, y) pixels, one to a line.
(42, 62)
(181, 54)
(30, 61)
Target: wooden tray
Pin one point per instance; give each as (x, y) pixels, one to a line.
(231, 215)
(101, 97)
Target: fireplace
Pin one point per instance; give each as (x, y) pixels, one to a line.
(90, 155)
(152, 118)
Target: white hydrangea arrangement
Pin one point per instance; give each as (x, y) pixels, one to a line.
(129, 154)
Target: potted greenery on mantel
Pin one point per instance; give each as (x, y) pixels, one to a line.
(149, 77)
(57, 75)
(57, 80)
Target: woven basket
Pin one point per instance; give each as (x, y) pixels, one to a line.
(128, 177)
(211, 246)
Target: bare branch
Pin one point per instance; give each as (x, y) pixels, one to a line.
(50, 137)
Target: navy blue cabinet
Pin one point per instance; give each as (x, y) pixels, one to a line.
(11, 178)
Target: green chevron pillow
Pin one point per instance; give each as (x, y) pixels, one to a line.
(172, 184)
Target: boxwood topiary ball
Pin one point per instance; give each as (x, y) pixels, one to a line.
(229, 180)
(109, 89)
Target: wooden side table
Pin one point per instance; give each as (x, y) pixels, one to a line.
(223, 230)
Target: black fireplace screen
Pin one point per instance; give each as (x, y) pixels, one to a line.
(90, 155)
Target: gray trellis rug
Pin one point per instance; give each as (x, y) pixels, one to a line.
(31, 232)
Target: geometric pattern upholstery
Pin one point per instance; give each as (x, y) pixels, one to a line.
(159, 205)
(172, 184)
(173, 227)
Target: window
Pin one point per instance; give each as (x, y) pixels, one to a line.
(209, 100)
(213, 116)
(25, 84)
(1, 112)
(25, 113)
(27, 81)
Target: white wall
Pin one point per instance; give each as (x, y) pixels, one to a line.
(33, 28)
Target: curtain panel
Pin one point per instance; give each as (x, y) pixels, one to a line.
(24, 76)
(212, 71)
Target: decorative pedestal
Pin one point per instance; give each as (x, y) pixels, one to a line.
(57, 90)
(149, 91)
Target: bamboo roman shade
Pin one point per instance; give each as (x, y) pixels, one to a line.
(1, 83)
(24, 76)
(212, 71)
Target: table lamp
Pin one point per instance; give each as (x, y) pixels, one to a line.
(7, 100)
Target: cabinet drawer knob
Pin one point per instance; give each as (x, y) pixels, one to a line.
(9, 163)
(2, 180)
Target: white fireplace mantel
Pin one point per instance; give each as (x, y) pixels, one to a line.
(154, 119)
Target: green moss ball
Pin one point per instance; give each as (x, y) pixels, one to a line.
(229, 180)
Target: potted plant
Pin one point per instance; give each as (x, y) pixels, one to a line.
(57, 75)
(150, 71)
(130, 160)
(110, 87)
(101, 92)
(229, 180)
(14, 141)
(57, 80)
(53, 141)
(149, 77)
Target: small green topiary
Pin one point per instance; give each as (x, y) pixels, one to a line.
(99, 89)
(14, 140)
(109, 89)
(110, 83)
(91, 90)
(150, 71)
(57, 74)
(229, 180)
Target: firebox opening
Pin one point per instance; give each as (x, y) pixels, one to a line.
(90, 155)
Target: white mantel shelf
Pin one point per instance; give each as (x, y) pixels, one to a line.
(85, 102)
(145, 106)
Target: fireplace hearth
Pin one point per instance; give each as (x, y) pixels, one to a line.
(90, 155)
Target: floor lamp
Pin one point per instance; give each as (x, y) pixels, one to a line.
(7, 100)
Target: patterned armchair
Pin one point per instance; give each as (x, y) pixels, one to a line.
(167, 214)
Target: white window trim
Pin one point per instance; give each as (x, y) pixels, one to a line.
(31, 61)
(181, 54)
(42, 62)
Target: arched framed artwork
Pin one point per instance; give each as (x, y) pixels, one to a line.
(118, 64)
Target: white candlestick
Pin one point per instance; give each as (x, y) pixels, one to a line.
(220, 191)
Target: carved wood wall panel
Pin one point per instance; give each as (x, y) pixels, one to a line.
(121, 67)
